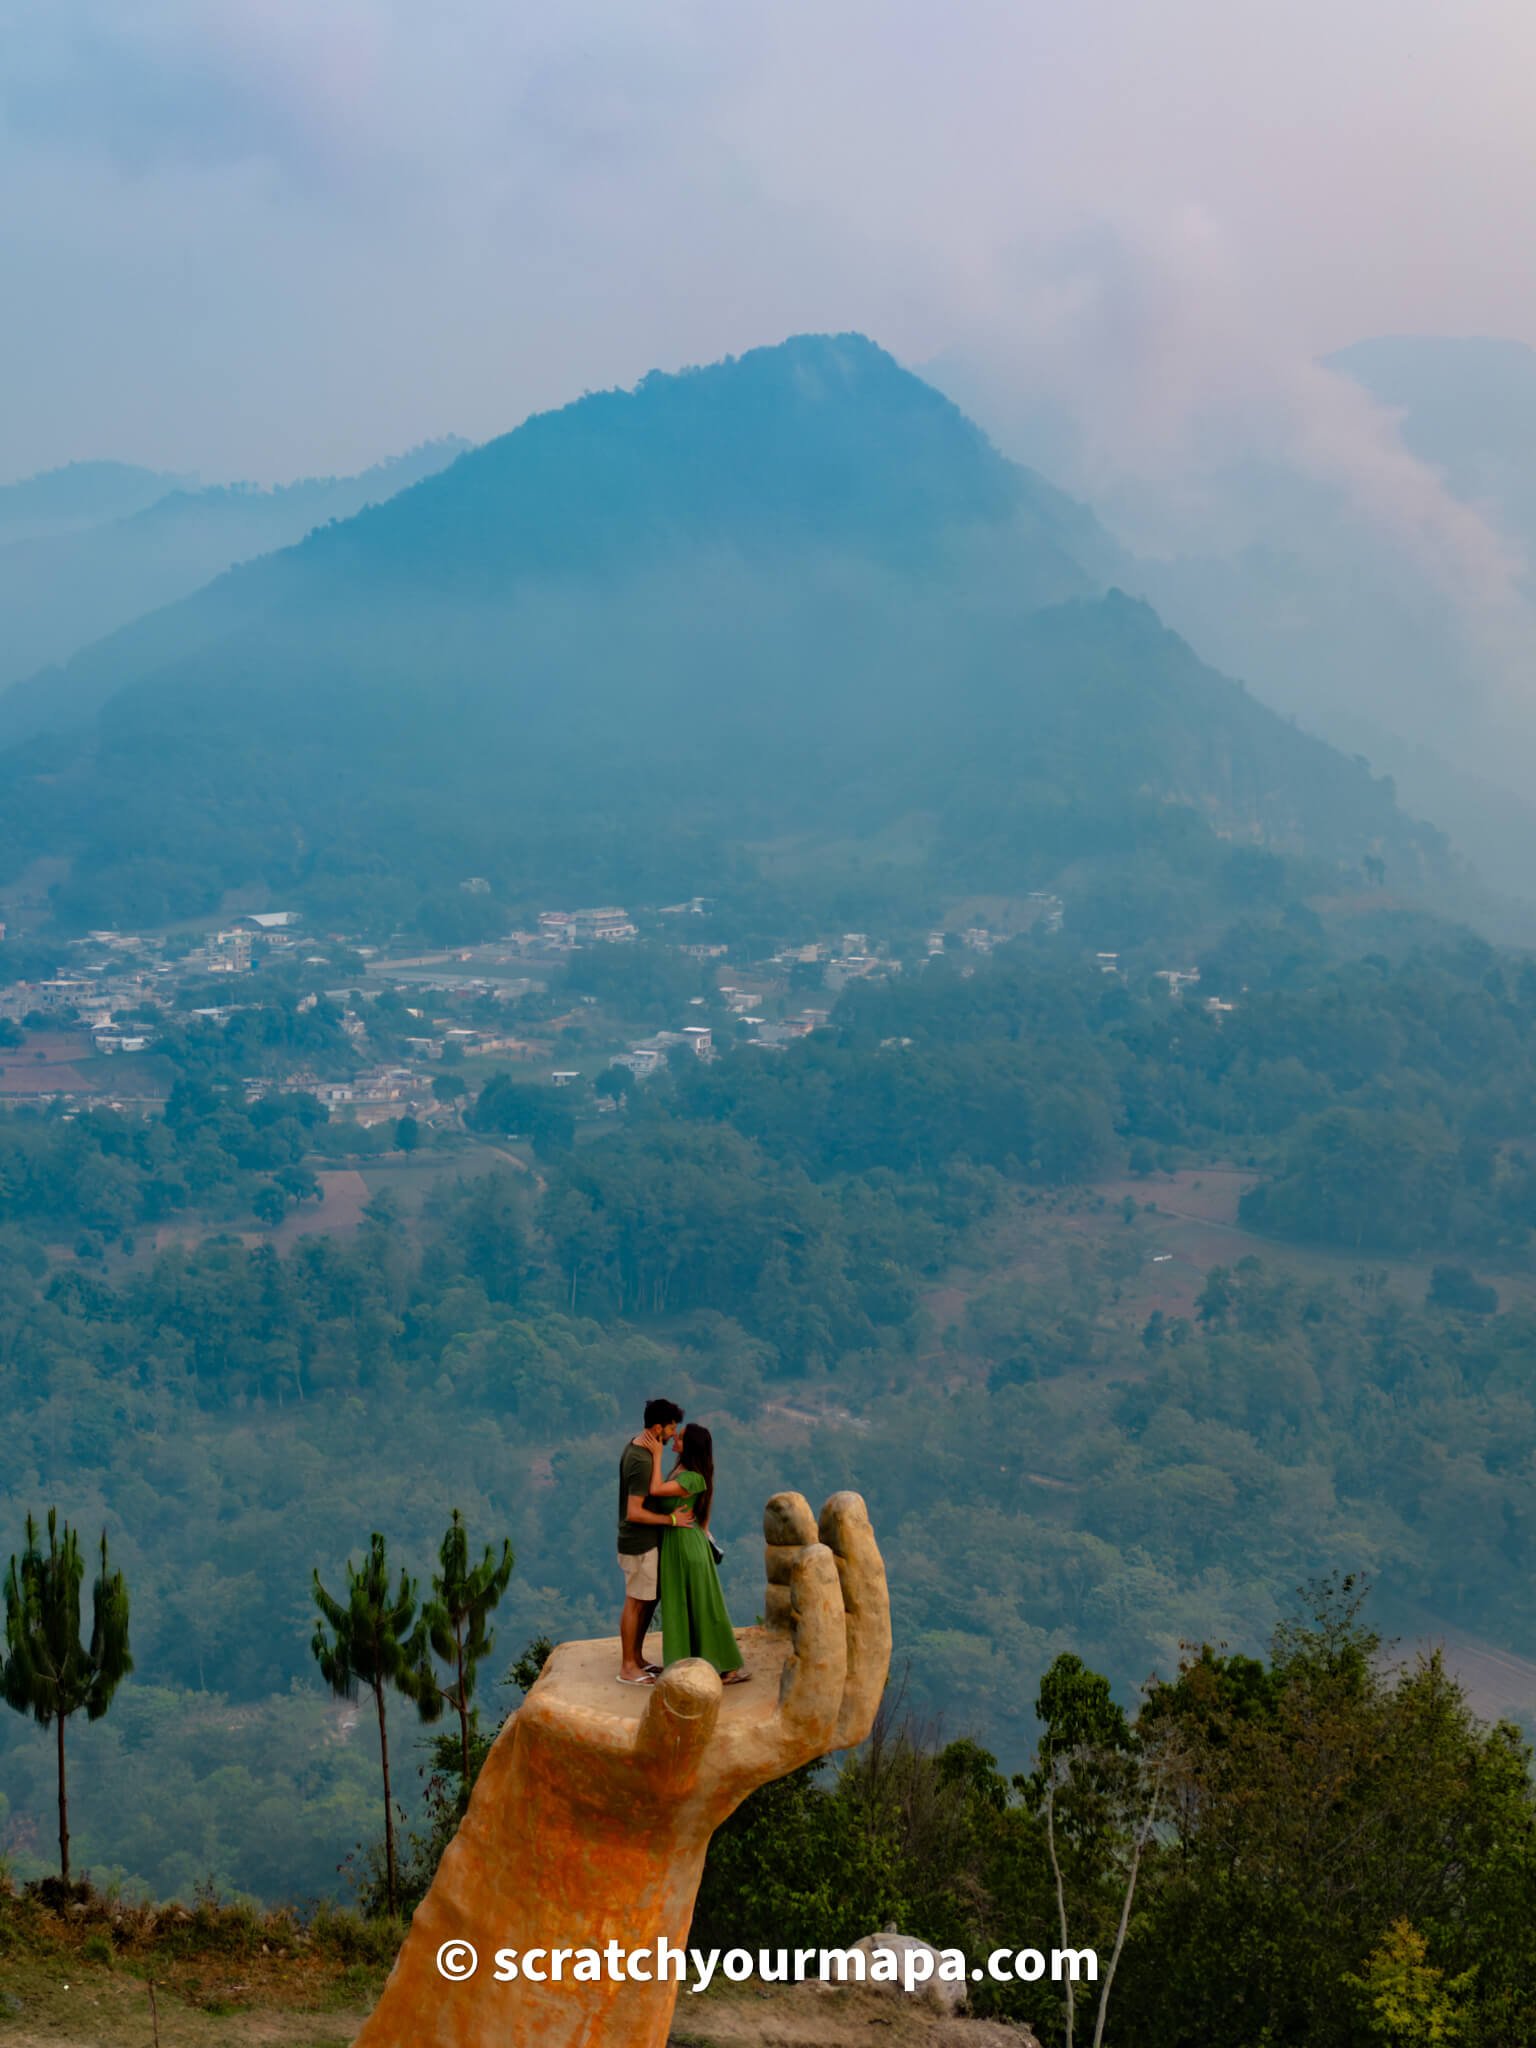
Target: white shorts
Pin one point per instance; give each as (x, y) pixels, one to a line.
(640, 1572)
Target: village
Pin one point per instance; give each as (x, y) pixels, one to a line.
(97, 1034)
(416, 1032)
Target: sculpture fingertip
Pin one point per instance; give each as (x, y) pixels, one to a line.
(814, 1569)
(788, 1521)
(841, 1510)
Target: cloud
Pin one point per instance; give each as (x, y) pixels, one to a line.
(154, 88)
(314, 232)
(1156, 344)
(1343, 435)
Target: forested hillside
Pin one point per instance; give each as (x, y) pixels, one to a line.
(876, 1259)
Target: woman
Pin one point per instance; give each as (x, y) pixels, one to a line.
(694, 1621)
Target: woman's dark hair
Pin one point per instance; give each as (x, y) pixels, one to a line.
(661, 1411)
(696, 1453)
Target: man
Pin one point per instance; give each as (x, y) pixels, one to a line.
(641, 1522)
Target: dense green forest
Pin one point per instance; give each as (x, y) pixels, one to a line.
(1391, 1104)
(1315, 1847)
(1052, 1465)
(94, 1180)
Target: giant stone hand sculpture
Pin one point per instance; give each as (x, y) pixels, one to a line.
(592, 1814)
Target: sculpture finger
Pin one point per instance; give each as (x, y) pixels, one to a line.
(846, 1531)
(815, 1672)
(678, 1721)
(789, 1528)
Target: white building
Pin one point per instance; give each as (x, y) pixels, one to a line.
(608, 926)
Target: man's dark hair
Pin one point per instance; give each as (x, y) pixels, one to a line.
(661, 1411)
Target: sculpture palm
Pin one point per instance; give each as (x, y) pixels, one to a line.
(593, 1812)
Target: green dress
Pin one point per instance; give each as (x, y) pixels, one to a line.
(694, 1621)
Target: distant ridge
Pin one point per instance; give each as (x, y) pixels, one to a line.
(63, 587)
(81, 494)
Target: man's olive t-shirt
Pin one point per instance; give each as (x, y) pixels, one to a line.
(635, 1538)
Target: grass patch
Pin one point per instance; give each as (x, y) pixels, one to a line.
(79, 1966)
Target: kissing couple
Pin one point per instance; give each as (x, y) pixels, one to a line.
(666, 1552)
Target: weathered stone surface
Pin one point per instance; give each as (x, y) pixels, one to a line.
(593, 1812)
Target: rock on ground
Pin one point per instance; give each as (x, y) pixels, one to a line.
(939, 1995)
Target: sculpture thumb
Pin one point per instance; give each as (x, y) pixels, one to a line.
(679, 1720)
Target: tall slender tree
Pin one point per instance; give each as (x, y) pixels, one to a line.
(48, 1671)
(373, 1639)
(457, 1619)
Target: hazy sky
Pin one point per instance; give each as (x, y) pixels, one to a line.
(269, 237)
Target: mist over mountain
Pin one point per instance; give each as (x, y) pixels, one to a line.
(1356, 542)
(143, 541)
(1334, 616)
(791, 607)
(1466, 405)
